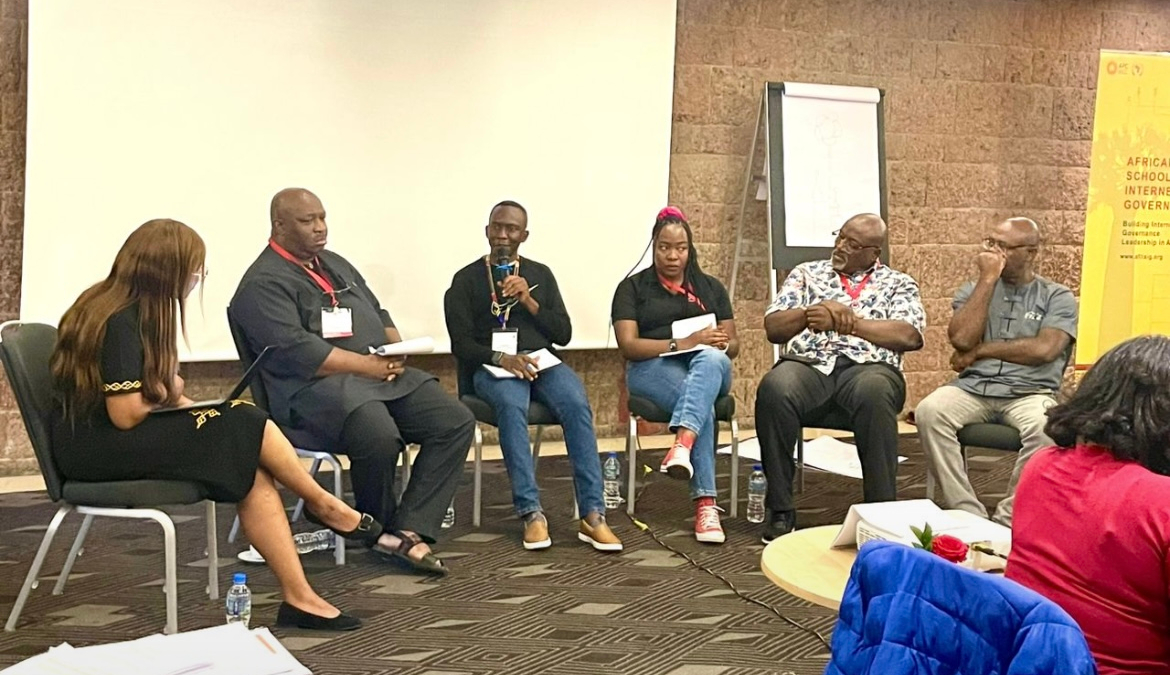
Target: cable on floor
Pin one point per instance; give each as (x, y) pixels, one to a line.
(647, 473)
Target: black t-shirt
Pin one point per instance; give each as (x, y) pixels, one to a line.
(642, 298)
(467, 306)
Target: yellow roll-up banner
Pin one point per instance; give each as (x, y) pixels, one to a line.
(1125, 280)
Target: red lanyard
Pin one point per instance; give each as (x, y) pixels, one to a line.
(320, 280)
(854, 290)
(680, 289)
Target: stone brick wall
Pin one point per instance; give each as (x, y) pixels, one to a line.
(989, 113)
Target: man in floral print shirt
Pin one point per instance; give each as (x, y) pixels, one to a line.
(846, 322)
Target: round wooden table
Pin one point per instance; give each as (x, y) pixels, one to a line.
(802, 563)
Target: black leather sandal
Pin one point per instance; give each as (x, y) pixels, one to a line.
(291, 616)
(367, 531)
(429, 563)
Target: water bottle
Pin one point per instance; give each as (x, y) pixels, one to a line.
(307, 542)
(611, 473)
(238, 601)
(449, 517)
(757, 489)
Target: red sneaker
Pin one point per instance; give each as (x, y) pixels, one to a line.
(708, 529)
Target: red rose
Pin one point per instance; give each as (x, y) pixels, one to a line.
(950, 548)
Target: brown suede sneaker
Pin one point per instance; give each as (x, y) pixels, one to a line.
(599, 536)
(536, 532)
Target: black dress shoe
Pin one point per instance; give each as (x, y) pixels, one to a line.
(288, 615)
(778, 524)
(368, 531)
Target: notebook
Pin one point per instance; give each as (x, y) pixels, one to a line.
(235, 393)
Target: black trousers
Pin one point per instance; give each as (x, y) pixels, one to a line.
(794, 394)
(376, 433)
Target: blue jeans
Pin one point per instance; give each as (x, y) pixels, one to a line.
(559, 389)
(688, 386)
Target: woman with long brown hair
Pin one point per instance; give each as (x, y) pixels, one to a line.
(116, 360)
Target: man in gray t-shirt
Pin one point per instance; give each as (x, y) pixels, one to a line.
(1012, 332)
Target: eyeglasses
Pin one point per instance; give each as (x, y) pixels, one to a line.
(851, 245)
(992, 244)
(201, 276)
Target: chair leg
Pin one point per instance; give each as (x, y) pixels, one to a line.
(536, 445)
(632, 460)
(171, 582)
(31, 578)
(74, 552)
(235, 531)
(212, 552)
(313, 470)
(339, 492)
(477, 478)
(734, 468)
(800, 461)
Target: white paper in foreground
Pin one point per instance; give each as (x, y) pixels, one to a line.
(422, 345)
(219, 650)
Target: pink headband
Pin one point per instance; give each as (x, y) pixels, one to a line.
(671, 212)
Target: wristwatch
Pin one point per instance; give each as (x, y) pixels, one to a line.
(497, 357)
(674, 345)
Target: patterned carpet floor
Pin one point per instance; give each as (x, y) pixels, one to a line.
(567, 610)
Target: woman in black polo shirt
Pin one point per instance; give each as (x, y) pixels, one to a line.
(665, 370)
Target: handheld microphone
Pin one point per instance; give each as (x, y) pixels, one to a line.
(502, 266)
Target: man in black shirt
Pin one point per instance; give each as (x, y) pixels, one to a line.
(501, 309)
(327, 392)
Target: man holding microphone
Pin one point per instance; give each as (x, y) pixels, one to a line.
(500, 309)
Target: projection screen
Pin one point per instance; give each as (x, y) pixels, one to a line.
(409, 119)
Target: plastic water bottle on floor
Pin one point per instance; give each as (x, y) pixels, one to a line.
(307, 542)
(449, 518)
(238, 601)
(757, 489)
(611, 472)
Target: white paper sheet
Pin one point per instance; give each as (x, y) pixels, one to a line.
(543, 357)
(685, 327)
(422, 345)
(823, 453)
(220, 650)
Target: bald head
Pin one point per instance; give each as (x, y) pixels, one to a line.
(281, 201)
(867, 225)
(1018, 239)
(298, 222)
(1025, 229)
(859, 242)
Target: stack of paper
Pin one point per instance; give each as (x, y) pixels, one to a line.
(891, 521)
(223, 650)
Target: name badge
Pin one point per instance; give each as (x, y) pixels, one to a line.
(336, 322)
(505, 340)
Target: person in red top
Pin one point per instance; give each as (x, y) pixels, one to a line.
(1091, 529)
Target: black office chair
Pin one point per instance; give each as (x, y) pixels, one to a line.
(993, 435)
(538, 415)
(25, 349)
(645, 409)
